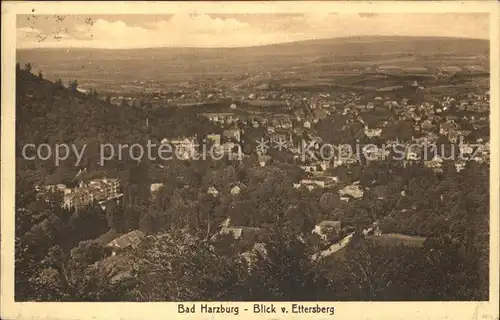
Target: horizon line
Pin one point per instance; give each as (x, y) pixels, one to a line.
(247, 47)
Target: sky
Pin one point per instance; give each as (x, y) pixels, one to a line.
(236, 30)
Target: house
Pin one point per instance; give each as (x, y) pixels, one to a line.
(375, 154)
(52, 188)
(236, 188)
(411, 155)
(232, 106)
(309, 168)
(104, 188)
(214, 117)
(466, 149)
(317, 182)
(395, 239)
(352, 190)
(326, 228)
(459, 166)
(48, 192)
(236, 232)
(240, 232)
(324, 165)
(251, 256)
(113, 186)
(214, 138)
(263, 159)
(234, 150)
(129, 240)
(226, 223)
(307, 124)
(434, 163)
(107, 237)
(370, 133)
(282, 138)
(155, 187)
(212, 191)
(115, 200)
(220, 117)
(336, 247)
(184, 147)
(95, 190)
(312, 184)
(77, 198)
(233, 134)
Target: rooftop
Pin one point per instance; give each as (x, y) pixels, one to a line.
(126, 240)
(329, 223)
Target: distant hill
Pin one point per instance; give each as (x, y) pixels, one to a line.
(351, 46)
(174, 63)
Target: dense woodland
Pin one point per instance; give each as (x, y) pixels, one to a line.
(57, 259)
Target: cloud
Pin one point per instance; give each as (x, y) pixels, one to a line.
(203, 30)
(33, 37)
(202, 23)
(27, 30)
(179, 30)
(113, 32)
(367, 15)
(29, 35)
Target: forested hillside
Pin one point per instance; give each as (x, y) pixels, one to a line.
(59, 256)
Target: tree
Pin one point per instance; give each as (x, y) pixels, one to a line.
(73, 85)
(93, 93)
(87, 223)
(132, 216)
(58, 85)
(283, 272)
(207, 204)
(173, 267)
(28, 67)
(71, 277)
(329, 201)
(115, 218)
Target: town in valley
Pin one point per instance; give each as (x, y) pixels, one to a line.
(287, 204)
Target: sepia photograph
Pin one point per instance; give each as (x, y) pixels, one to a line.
(208, 158)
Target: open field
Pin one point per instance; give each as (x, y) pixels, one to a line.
(317, 62)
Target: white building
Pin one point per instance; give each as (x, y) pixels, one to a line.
(324, 228)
